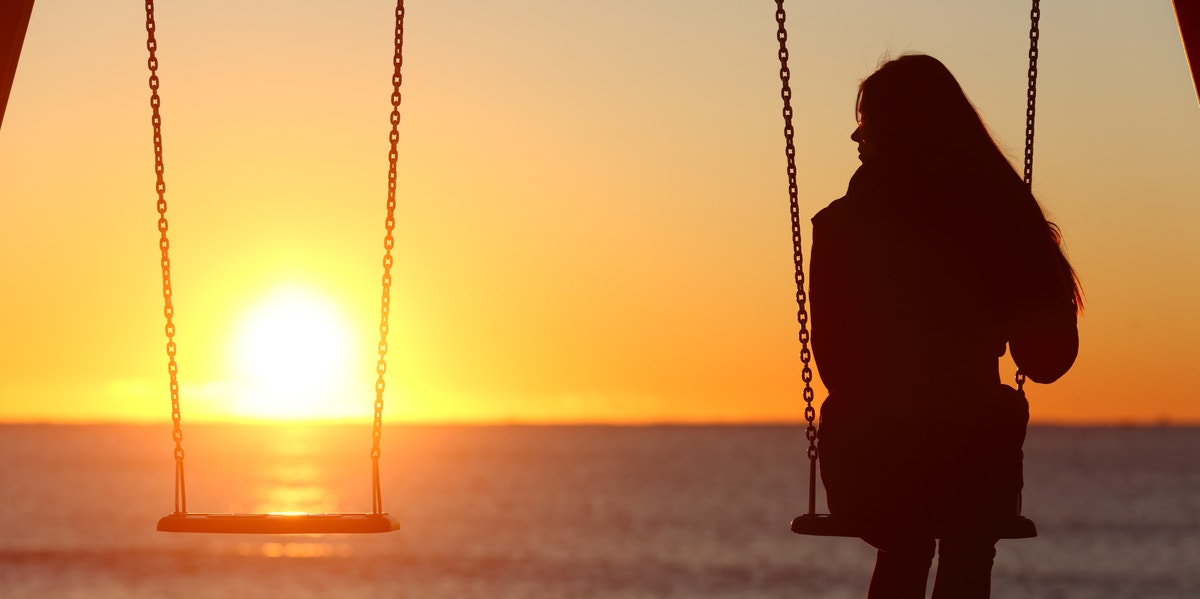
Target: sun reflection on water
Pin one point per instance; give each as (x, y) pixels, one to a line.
(296, 482)
(301, 549)
(285, 469)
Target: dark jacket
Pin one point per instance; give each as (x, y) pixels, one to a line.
(917, 285)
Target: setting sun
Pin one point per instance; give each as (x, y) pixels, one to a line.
(292, 358)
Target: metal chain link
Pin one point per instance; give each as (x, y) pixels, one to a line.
(165, 245)
(388, 244)
(810, 413)
(1035, 15)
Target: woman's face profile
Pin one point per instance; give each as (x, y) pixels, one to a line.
(866, 151)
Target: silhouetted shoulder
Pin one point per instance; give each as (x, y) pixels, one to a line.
(836, 211)
(862, 189)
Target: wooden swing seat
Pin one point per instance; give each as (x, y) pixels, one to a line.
(826, 525)
(279, 524)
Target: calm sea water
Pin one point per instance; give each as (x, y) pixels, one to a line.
(551, 512)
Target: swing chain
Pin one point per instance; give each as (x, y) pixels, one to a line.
(797, 252)
(1035, 15)
(164, 246)
(388, 243)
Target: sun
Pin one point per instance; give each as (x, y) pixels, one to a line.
(293, 357)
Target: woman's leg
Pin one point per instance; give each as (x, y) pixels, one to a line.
(964, 568)
(901, 568)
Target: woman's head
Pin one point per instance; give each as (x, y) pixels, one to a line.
(913, 108)
(913, 114)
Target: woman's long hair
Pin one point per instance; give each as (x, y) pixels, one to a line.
(915, 114)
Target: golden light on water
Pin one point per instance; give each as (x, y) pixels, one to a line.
(302, 494)
(296, 481)
(304, 549)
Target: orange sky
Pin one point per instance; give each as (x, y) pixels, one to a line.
(593, 218)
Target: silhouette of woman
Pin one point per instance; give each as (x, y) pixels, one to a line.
(937, 258)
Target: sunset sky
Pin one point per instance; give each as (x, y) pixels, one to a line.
(592, 221)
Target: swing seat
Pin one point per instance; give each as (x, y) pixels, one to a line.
(279, 524)
(826, 525)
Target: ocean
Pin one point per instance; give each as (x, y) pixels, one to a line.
(622, 512)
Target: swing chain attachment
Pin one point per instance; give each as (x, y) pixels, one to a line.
(389, 242)
(164, 246)
(806, 373)
(1035, 15)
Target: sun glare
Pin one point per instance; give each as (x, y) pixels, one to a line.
(293, 355)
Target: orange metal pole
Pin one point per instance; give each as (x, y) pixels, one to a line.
(14, 20)
(1187, 13)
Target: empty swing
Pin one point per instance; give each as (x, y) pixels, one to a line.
(818, 524)
(180, 520)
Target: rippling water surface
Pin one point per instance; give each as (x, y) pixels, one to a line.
(556, 512)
